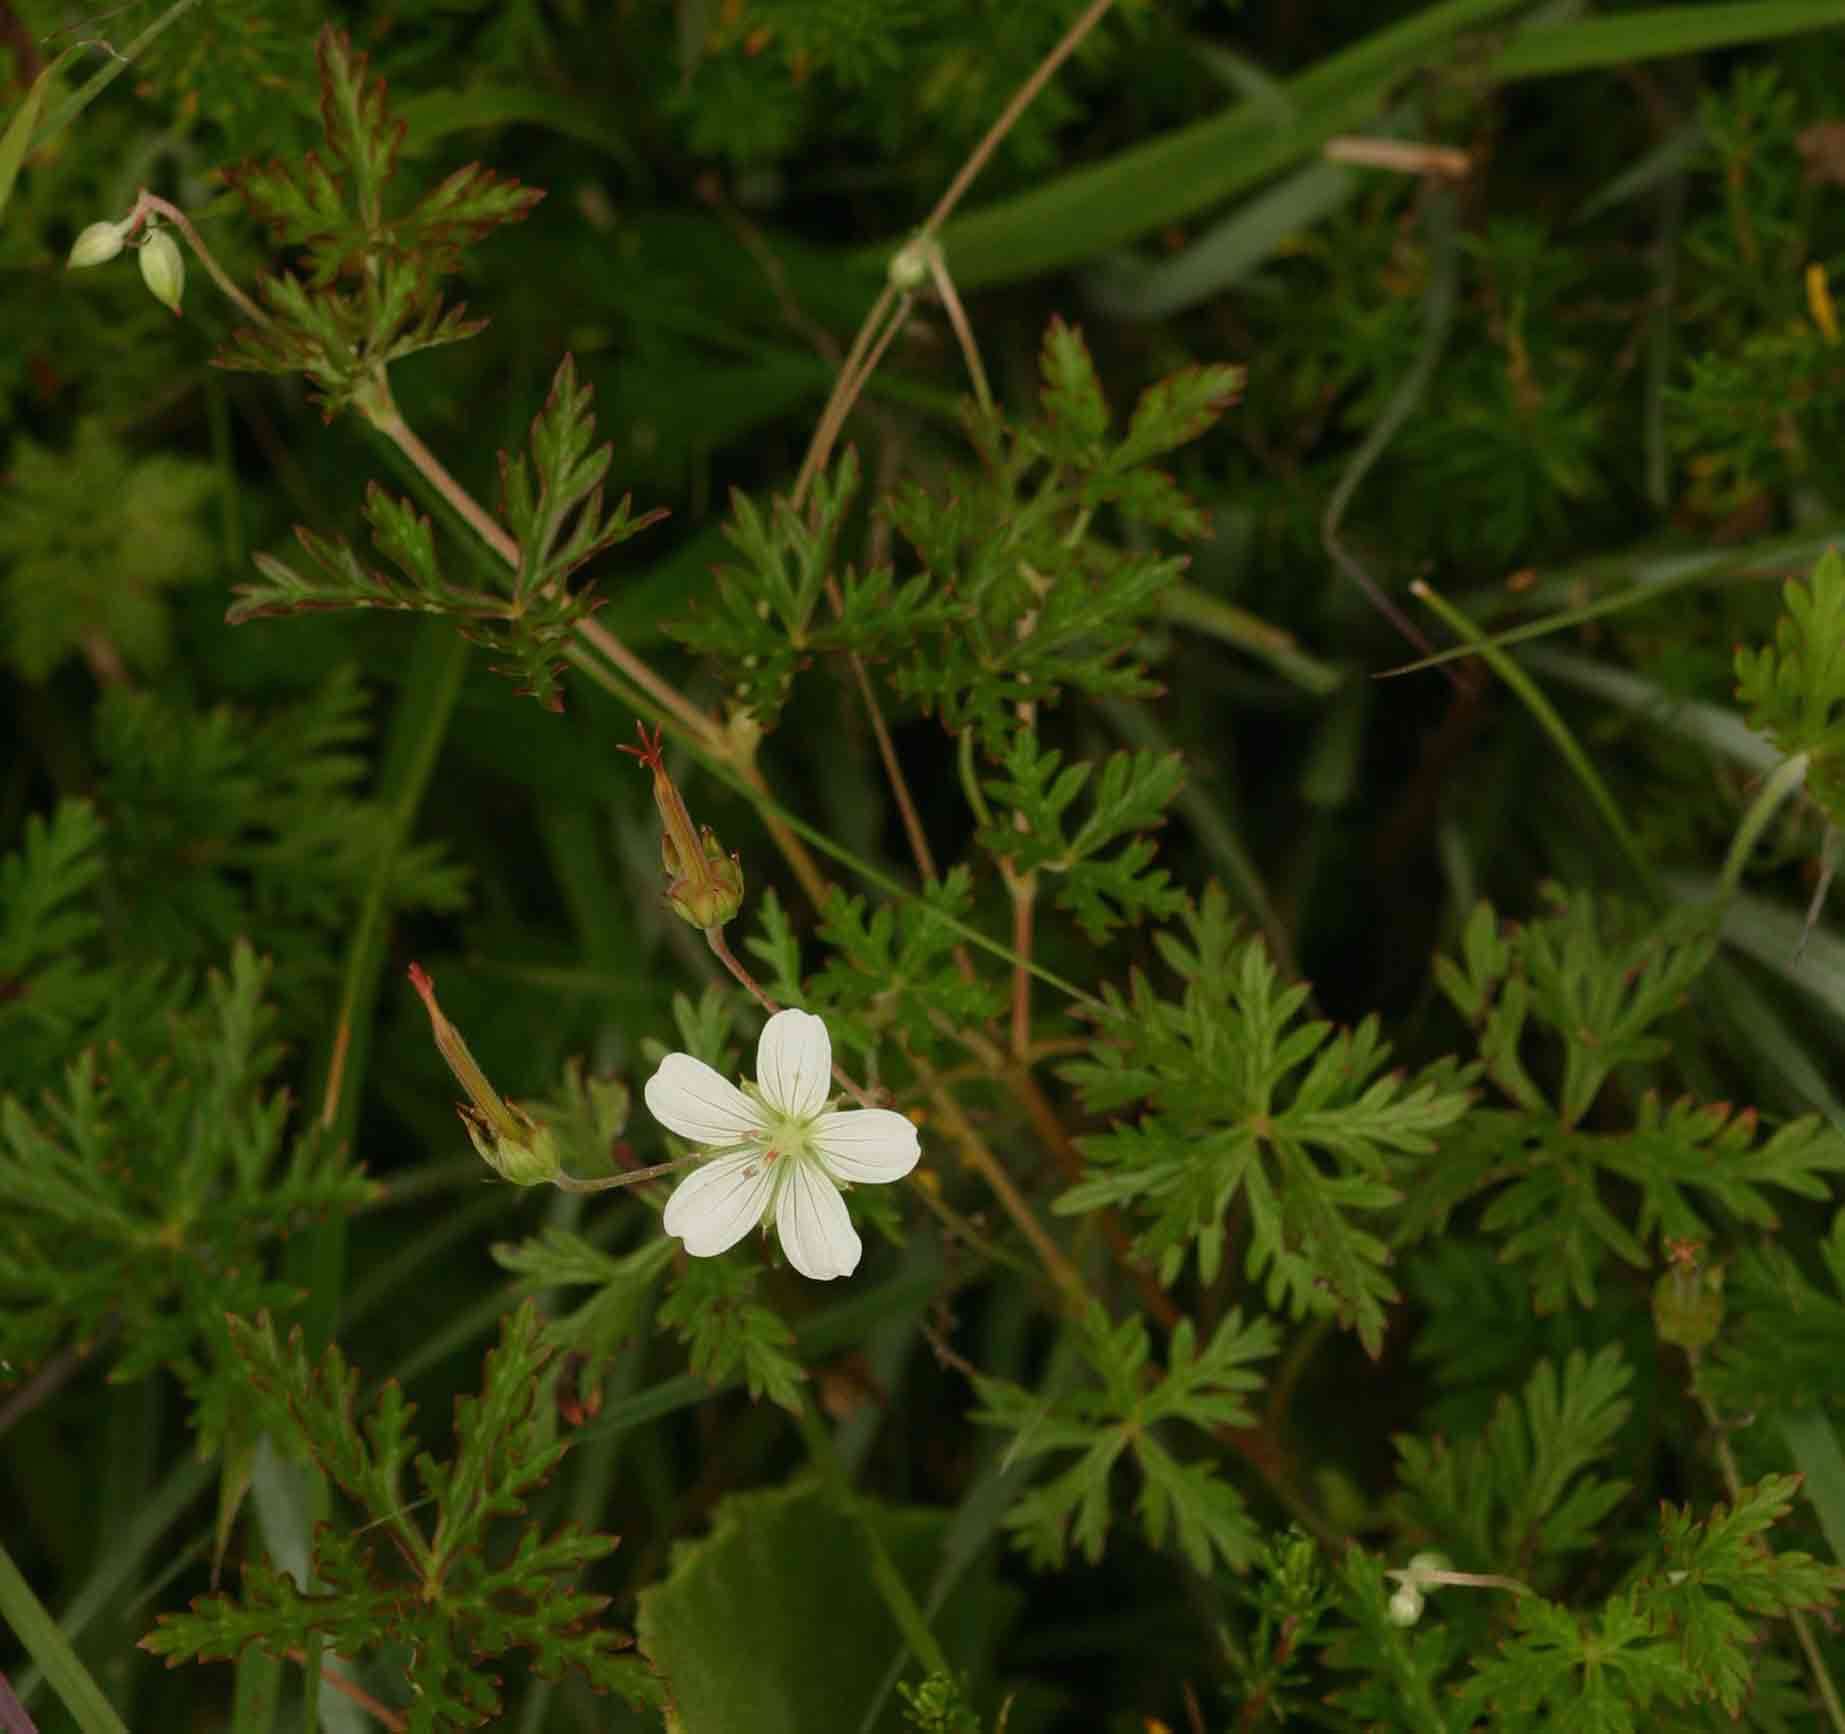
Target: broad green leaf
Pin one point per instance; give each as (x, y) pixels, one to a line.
(772, 1624)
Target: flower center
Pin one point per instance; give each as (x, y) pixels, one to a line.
(785, 1135)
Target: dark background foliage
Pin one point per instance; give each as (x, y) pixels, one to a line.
(1607, 349)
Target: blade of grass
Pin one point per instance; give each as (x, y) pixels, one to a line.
(40, 1637)
(1173, 178)
(81, 98)
(1814, 1447)
(1709, 725)
(1651, 577)
(1187, 605)
(126, 1554)
(1659, 33)
(1227, 252)
(1553, 725)
(16, 141)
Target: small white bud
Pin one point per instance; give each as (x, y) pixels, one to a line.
(909, 265)
(97, 245)
(1406, 1606)
(163, 268)
(1430, 1562)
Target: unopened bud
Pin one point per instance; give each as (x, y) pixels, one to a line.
(1688, 1299)
(509, 1140)
(1406, 1606)
(703, 885)
(163, 268)
(97, 245)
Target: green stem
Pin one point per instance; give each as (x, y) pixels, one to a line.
(894, 1592)
(1187, 605)
(1552, 724)
(74, 104)
(1786, 780)
(41, 1639)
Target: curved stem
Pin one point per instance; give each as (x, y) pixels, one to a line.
(714, 937)
(147, 204)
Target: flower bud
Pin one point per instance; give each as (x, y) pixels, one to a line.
(163, 268)
(1688, 1299)
(703, 885)
(97, 245)
(509, 1140)
(1406, 1606)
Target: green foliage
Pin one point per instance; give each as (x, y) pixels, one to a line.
(1599, 983)
(151, 1188)
(773, 1622)
(893, 969)
(765, 626)
(936, 1705)
(1713, 1576)
(1289, 1593)
(1683, 1634)
(1130, 799)
(90, 539)
(1042, 604)
(1783, 1331)
(440, 1585)
(1526, 1487)
(1606, 372)
(1795, 689)
(1204, 1388)
(47, 993)
(369, 293)
(614, 1313)
(220, 823)
(729, 1334)
(1241, 1100)
(554, 505)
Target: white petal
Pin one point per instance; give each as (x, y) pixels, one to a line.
(816, 1230)
(866, 1145)
(794, 1063)
(713, 1207)
(687, 1097)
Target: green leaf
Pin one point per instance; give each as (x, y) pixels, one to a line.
(728, 1333)
(1121, 1420)
(151, 1192)
(434, 1587)
(1239, 1100)
(48, 990)
(1075, 412)
(1782, 1331)
(370, 295)
(891, 970)
(615, 1312)
(1795, 689)
(1129, 800)
(359, 129)
(1524, 1488)
(554, 504)
(90, 538)
(1598, 1673)
(1716, 1574)
(772, 1624)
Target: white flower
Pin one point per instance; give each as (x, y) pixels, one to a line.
(779, 1152)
